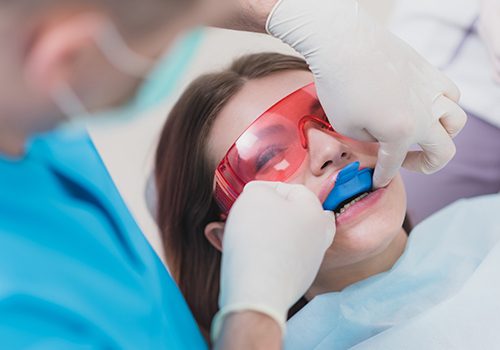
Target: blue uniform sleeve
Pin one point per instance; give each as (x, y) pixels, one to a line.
(30, 323)
(75, 269)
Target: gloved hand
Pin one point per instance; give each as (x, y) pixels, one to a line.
(489, 29)
(372, 85)
(274, 242)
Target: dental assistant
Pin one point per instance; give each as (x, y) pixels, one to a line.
(75, 270)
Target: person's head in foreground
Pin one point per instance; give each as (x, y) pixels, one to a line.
(198, 138)
(60, 57)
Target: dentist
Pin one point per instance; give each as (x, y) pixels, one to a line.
(75, 270)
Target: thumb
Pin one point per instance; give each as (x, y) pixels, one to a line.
(329, 217)
(390, 159)
(265, 185)
(290, 192)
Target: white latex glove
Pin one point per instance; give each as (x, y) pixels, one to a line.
(372, 85)
(274, 242)
(489, 29)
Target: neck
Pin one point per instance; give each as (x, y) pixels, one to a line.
(12, 142)
(336, 279)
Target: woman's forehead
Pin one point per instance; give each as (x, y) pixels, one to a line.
(249, 103)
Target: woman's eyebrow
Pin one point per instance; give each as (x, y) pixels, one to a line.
(270, 130)
(315, 107)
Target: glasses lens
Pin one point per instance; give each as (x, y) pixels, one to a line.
(270, 151)
(272, 148)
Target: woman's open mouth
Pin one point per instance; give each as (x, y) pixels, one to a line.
(357, 205)
(345, 205)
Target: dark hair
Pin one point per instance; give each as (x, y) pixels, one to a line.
(184, 178)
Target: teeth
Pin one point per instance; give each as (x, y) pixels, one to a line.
(345, 207)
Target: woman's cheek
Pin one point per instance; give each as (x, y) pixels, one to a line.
(369, 149)
(366, 152)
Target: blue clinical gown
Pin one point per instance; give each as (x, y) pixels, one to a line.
(76, 271)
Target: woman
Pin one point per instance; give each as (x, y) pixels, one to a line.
(203, 126)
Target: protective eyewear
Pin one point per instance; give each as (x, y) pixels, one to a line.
(272, 148)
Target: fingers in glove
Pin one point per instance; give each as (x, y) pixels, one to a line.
(390, 158)
(437, 150)
(451, 116)
(451, 90)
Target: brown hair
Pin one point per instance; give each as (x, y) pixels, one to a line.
(184, 178)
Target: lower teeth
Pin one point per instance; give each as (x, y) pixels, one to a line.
(346, 206)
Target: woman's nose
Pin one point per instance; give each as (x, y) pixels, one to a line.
(326, 152)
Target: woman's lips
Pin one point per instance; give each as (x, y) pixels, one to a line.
(360, 207)
(328, 187)
(356, 209)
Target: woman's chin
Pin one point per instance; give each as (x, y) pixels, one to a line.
(368, 227)
(365, 240)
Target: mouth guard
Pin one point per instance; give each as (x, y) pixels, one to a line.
(350, 182)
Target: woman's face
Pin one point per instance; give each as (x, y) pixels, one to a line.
(364, 229)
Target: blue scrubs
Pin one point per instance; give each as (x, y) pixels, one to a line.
(75, 270)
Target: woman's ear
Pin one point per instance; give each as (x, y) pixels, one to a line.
(214, 232)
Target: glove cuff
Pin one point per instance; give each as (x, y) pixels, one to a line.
(218, 320)
(331, 27)
(294, 20)
(268, 21)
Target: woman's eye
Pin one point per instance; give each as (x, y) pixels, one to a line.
(327, 125)
(268, 156)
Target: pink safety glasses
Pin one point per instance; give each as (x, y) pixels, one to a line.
(272, 148)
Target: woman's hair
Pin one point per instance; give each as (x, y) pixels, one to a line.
(184, 177)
